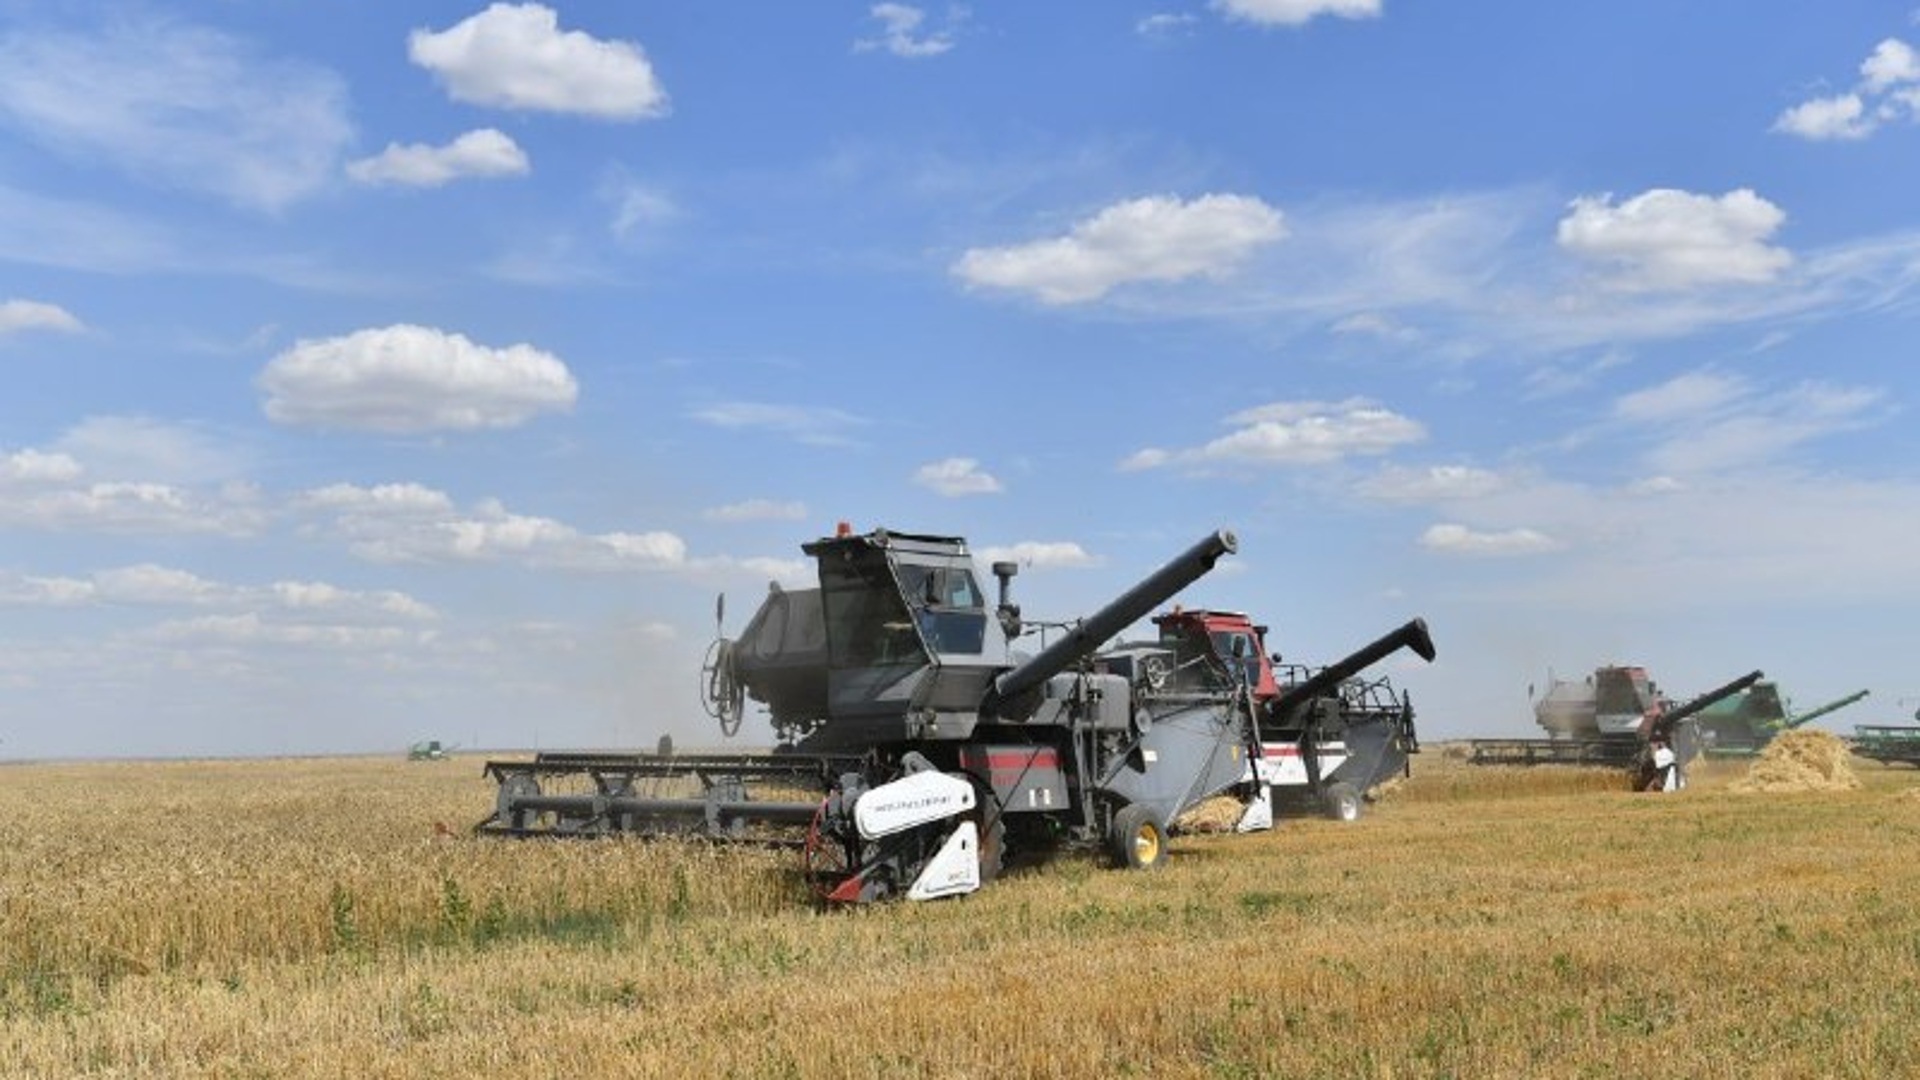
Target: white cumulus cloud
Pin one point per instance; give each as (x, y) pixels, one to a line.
(148, 583)
(483, 153)
(1027, 554)
(1157, 238)
(412, 523)
(281, 604)
(956, 476)
(1295, 12)
(180, 106)
(1842, 116)
(1294, 433)
(31, 466)
(1885, 92)
(19, 315)
(408, 498)
(515, 56)
(127, 508)
(1665, 239)
(20, 590)
(1455, 539)
(1893, 62)
(412, 379)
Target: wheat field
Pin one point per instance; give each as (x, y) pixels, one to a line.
(334, 918)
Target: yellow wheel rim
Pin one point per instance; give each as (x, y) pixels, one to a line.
(1146, 844)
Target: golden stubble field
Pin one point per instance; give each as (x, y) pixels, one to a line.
(313, 918)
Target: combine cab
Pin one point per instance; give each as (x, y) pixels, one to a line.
(918, 748)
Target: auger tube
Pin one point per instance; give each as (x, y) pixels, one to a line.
(1831, 706)
(1411, 635)
(1681, 712)
(1084, 638)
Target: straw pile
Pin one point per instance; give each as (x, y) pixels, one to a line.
(1218, 814)
(1800, 761)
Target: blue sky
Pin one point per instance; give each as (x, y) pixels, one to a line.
(407, 370)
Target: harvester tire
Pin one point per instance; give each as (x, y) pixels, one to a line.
(1341, 802)
(1138, 840)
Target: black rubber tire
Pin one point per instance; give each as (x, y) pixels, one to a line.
(1138, 839)
(1341, 802)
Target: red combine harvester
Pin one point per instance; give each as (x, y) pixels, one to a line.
(1328, 736)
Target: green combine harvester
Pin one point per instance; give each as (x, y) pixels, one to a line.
(1888, 744)
(1742, 725)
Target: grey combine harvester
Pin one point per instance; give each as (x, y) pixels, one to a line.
(917, 748)
(1613, 720)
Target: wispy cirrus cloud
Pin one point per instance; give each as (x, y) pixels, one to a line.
(1707, 463)
(172, 104)
(1713, 421)
(814, 425)
(757, 510)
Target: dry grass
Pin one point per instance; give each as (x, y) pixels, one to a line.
(303, 918)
